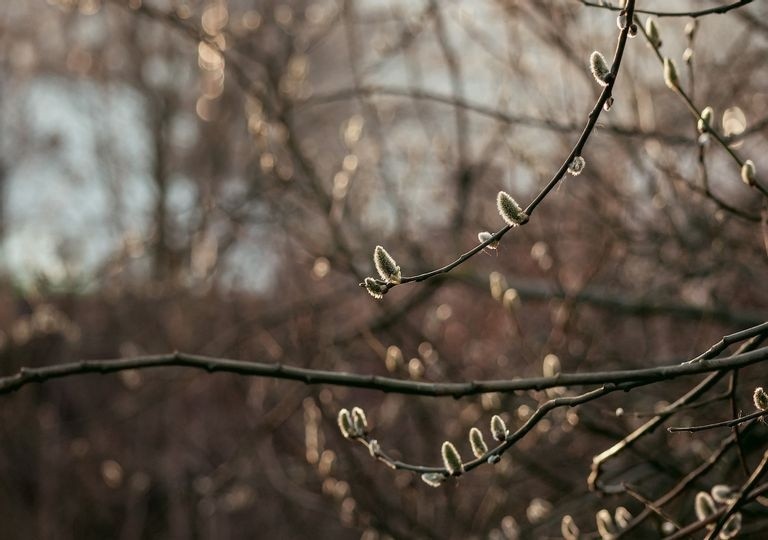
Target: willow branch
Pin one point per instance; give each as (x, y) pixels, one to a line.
(372, 90)
(575, 151)
(308, 376)
(539, 414)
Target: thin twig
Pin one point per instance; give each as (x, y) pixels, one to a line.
(730, 339)
(575, 151)
(726, 423)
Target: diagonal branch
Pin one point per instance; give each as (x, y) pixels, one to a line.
(592, 118)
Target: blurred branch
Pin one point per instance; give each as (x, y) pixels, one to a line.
(721, 140)
(645, 305)
(719, 10)
(484, 110)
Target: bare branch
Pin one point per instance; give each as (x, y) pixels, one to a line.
(26, 376)
(726, 423)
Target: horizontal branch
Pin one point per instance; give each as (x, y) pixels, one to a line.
(27, 376)
(484, 110)
(648, 304)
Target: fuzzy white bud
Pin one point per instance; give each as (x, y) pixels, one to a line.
(484, 236)
(705, 120)
(479, 448)
(576, 165)
(452, 459)
(386, 265)
(722, 493)
(433, 479)
(652, 31)
(498, 428)
(599, 68)
(509, 210)
(748, 172)
(760, 398)
(394, 358)
(374, 288)
(621, 20)
(690, 29)
(344, 420)
(569, 529)
(704, 506)
(550, 366)
(605, 525)
(670, 74)
(622, 517)
(359, 421)
(511, 300)
(374, 448)
(731, 527)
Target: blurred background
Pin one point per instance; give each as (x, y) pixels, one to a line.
(158, 196)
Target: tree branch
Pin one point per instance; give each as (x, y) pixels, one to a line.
(727, 423)
(27, 376)
(693, 394)
(575, 151)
